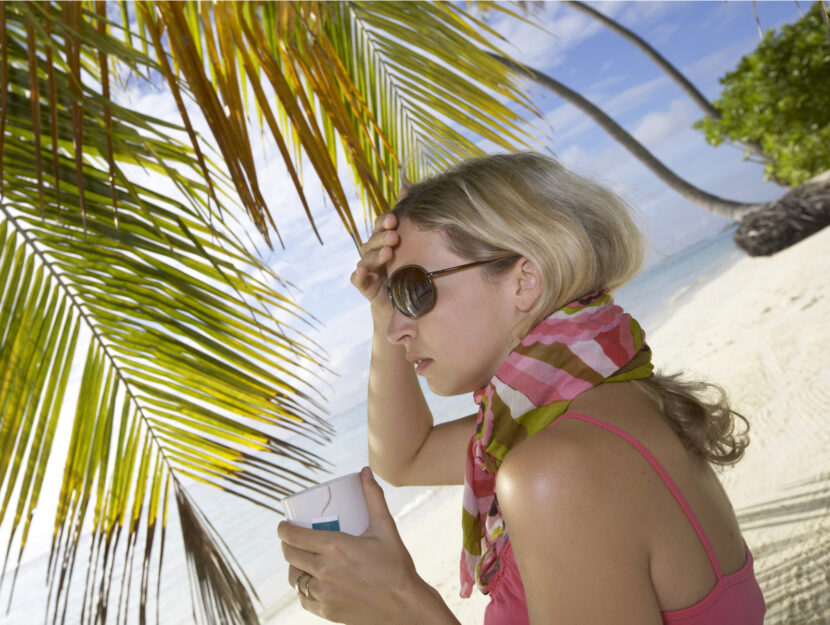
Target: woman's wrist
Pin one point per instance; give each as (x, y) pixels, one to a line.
(382, 315)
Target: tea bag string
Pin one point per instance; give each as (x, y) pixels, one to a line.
(328, 501)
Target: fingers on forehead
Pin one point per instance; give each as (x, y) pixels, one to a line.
(385, 220)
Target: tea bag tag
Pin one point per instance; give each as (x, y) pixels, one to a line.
(326, 523)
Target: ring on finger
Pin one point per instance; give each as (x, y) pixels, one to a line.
(299, 580)
(306, 592)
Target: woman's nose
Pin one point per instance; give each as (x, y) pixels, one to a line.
(401, 328)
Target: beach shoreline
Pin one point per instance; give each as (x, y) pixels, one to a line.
(758, 329)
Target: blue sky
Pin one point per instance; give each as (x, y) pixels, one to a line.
(704, 39)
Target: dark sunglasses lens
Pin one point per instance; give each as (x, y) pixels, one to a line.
(411, 291)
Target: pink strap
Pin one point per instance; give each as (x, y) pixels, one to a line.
(663, 474)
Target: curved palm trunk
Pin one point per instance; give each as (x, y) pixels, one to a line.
(672, 72)
(707, 201)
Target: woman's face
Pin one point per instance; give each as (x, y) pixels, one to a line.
(461, 342)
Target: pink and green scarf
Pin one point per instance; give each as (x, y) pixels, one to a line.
(588, 342)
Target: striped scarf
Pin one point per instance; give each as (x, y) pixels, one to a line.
(583, 344)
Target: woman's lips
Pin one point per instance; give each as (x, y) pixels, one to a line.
(422, 364)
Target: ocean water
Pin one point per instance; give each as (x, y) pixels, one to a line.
(657, 291)
(250, 531)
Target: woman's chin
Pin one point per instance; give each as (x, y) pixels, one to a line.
(444, 389)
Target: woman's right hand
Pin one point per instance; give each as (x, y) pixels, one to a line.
(369, 277)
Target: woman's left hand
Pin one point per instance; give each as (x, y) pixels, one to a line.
(363, 579)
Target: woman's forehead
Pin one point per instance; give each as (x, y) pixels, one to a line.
(419, 246)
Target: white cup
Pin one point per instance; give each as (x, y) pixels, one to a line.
(336, 505)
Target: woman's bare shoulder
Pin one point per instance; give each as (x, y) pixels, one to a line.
(573, 507)
(572, 460)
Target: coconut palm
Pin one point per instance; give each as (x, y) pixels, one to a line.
(765, 227)
(664, 64)
(193, 365)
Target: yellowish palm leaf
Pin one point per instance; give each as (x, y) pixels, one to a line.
(392, 82)
(172, 388)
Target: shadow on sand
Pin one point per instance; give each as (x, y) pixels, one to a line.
(793, 569)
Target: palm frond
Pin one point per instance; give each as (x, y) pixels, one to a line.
(220, 584)
(392, 82)
(189, 372)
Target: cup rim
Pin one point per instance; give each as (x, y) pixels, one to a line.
(321, 485)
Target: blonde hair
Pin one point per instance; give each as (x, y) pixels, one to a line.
(581, 237)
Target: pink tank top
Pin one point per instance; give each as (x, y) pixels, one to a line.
(736, 599)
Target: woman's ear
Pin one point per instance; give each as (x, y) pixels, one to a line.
(528, 284)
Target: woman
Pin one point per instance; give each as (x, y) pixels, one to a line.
(589, 492)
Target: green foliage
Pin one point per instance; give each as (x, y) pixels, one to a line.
(779, 96)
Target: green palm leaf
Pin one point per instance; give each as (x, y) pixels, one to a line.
(172, 388)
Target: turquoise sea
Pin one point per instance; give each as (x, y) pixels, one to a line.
(250, 531)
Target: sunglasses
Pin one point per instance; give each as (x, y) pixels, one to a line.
(411, 289)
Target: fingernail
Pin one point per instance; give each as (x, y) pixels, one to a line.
(367, 473)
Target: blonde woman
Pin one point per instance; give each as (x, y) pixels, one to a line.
(589, 492)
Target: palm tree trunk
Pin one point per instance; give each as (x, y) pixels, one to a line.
(707, 201)
(697, 97)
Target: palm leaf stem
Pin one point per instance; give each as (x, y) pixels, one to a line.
(4, 87)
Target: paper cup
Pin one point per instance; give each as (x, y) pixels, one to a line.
(336, 505)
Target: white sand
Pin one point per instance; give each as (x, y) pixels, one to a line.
(761, 329)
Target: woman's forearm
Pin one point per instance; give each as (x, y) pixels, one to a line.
(399, 418)
(432, 610)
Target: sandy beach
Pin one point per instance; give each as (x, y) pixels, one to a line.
(759, 329)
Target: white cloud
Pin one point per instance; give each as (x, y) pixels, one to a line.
(662, 34)
(633, 97)
(636, 15)
(545, 41)
(568, 122)
(722, 16)
(659, 126)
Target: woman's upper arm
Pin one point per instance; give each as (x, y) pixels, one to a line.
(569, 529)
(442, 458)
